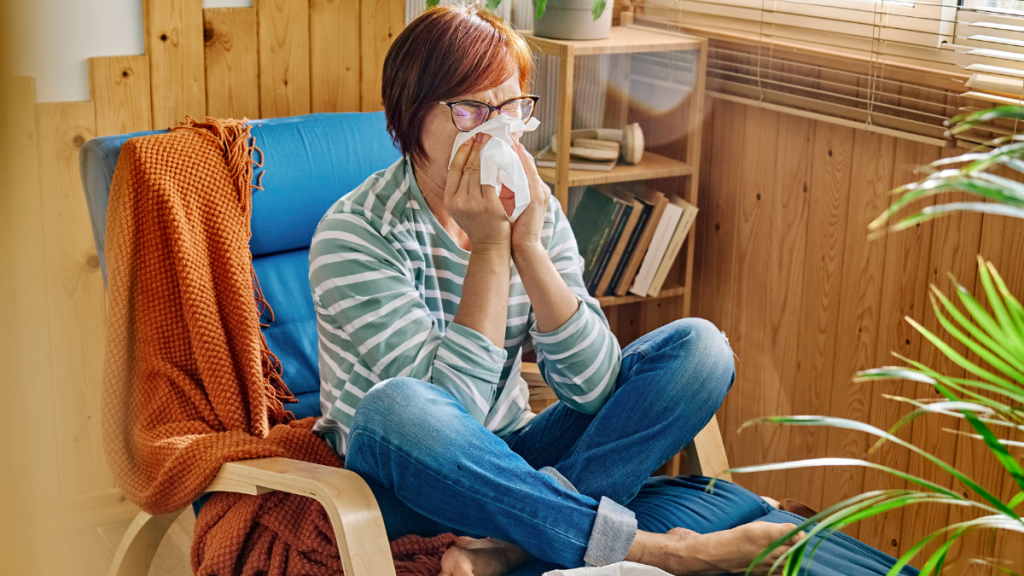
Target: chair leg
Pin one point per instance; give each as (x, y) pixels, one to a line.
(136, 550)
(706, 454)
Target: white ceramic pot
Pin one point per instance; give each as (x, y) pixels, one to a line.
(572, 20)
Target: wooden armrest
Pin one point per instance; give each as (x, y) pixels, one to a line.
(351, 507)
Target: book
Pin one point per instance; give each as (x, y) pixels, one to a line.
(592, 224)
(546, 159)
(658, 201)
(610, 246)
(682, 231)
(656, 251)
(636, 210)
(638, 231)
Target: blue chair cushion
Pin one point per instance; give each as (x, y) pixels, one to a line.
(292, 334)
(309, 162)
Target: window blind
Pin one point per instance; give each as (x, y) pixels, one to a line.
(893, 66)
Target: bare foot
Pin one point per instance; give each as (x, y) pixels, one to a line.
(684, 552)
(482, 557)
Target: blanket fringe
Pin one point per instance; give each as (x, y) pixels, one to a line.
(237, 145)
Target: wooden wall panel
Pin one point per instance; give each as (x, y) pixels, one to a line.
(832, 303)
(716, 272)
(955, 244)
(75, 295)
(232, 63)
(828, 204)
(380, 21)
(859, 301)
(174, 43)
(334, 39)
(904, 293)
(784, 287)
(119, 89)
(751, 273)
(284, 57)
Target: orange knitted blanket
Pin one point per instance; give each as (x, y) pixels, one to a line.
(189, 382)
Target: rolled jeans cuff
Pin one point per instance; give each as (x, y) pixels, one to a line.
(613, 534)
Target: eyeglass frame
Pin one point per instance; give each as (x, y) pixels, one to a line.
(491, 109)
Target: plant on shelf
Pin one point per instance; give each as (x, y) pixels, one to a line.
(596, 9)
(990, 398)
(566, 20)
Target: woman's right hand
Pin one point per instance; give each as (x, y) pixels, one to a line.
(476, 208)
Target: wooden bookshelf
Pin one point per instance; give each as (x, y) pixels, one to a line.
(622, 40)
(671, 160)
(651, 166)
(665, 292)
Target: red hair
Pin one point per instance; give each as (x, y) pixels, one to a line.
(446, 52)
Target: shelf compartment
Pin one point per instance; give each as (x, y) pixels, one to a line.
(652, 166)
(666, 292)
(622, 40)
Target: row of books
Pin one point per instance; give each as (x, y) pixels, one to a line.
(628, 244)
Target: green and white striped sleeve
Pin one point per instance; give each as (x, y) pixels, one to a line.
(373, 324)
(580, 360)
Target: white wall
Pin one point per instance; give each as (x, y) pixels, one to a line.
(53, 39)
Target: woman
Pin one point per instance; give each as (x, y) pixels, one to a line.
(426, 295)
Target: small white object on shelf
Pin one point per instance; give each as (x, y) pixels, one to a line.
(546, 159)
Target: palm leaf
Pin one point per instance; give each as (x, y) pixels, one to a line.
(843, 423)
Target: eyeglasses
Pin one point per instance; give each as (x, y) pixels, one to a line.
(468, 114)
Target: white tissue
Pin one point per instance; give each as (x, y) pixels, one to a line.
(617, 569)
(499, 163)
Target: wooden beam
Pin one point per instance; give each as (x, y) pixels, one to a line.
(232, 63)
(380, 22)
(334, 57)
(173, 32)
(75, 294)
(119, 89)
(284, 57)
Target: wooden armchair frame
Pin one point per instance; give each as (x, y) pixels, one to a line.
(350, 505)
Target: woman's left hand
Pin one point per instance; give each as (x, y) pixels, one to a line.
(526, 229)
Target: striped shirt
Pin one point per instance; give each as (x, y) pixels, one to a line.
(386, 280)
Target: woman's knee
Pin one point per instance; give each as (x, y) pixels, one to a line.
(703, 351)
(393, 404)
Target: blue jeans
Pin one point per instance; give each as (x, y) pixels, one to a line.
(559, 487)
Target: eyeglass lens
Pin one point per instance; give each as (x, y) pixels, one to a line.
(468, 115)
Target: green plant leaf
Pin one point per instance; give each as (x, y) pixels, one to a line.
(1004, 442)
(939, 210)
(965, 122)
(492, 5)
(597, 9)
(541, 6)
(978, 334)
(432, 4)
(996, 360)
(816, 462)
(1017, 500)
(843, 423)
(957, 357)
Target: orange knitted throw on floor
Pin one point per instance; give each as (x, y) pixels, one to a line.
(189, 382)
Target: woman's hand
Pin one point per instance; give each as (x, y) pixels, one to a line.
(526, 229)
(475, 207)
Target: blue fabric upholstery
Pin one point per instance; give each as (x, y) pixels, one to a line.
(308, 163)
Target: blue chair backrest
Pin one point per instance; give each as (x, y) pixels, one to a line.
(309, 162)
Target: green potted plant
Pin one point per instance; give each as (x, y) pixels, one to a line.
(565, 19)
(991, 396)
